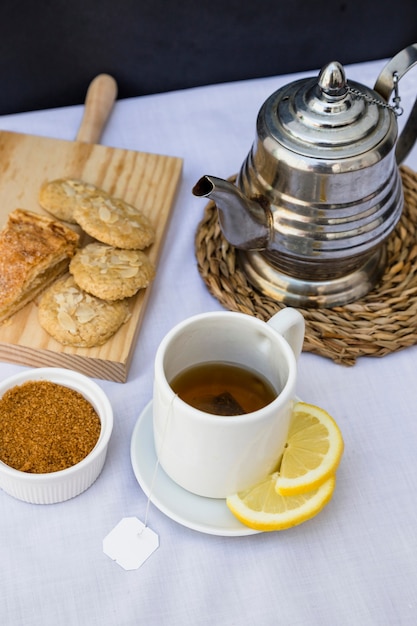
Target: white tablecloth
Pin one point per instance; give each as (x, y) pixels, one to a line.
(354, 564)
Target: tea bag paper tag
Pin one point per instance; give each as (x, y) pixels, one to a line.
(130, 543)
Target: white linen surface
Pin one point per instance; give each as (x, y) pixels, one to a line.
(354, 564)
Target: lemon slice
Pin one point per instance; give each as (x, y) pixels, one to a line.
(262, 508)
(313, 451)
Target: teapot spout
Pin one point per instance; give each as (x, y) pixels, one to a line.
(245, 223)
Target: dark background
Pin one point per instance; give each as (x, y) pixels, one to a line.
(51, 49)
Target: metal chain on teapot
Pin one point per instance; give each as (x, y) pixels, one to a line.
(396, 108)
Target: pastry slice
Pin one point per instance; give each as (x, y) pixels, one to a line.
(34, 250)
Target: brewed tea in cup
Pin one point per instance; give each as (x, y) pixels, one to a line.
(223, 388)
(210, 437)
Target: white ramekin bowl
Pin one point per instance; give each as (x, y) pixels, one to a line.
(70, 482)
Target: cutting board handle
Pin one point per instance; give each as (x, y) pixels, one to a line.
(99, 101)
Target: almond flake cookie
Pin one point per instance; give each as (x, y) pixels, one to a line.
(75, 318)
(114, 221)
(111, 273)
(60, 197)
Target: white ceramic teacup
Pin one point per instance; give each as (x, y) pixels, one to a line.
(216, 456)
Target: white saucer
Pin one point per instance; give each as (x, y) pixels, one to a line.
(207, 515)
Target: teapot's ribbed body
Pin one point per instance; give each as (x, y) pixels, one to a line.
(324, 161)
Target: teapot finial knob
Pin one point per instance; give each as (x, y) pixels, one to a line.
(332, 80)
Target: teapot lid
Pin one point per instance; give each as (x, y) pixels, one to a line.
(326, 117)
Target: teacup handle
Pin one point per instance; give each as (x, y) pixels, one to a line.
(290, 324)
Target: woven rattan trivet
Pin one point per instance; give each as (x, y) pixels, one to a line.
(383, 321)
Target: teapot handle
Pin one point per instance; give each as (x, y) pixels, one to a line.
(386, 83)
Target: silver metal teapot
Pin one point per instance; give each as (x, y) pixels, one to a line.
(320, 191)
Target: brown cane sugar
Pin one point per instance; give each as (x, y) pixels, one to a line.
(46, 427)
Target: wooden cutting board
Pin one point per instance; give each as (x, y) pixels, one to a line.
(148, 181)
